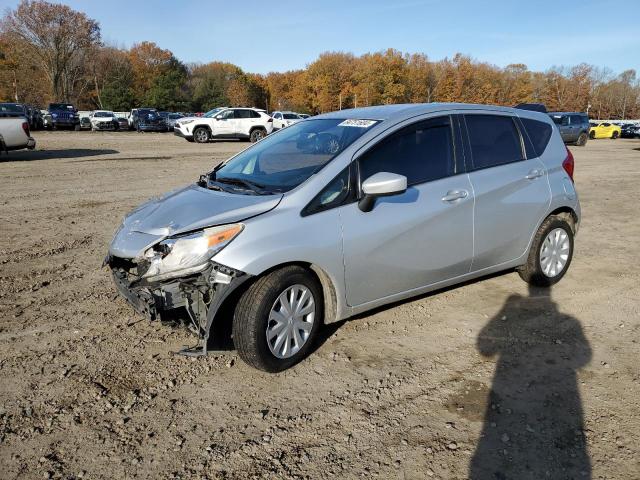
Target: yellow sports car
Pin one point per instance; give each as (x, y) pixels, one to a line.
(605, 130)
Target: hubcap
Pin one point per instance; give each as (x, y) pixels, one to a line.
(290, 321)
(202, 135)
(258, 135)
(554, 253)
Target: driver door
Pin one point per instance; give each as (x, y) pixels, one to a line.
(417, 238)
(224, 124)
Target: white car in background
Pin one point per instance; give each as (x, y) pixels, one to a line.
(103, 120)
(242, 123)
(284, 119)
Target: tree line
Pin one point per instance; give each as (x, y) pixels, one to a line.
(50, 52)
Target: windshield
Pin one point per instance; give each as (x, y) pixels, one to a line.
(283, 161)
(290, 116)
(147, 111)
(103, 114)
(61, 106)
(211, 113)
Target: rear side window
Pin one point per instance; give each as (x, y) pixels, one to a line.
(494, 140)
(577, 120)
(421, 152)
(539, 134)
(254, 114)
(242, 114)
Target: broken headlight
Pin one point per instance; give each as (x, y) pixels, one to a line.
(175, 257)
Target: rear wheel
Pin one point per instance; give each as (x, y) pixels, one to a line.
(257, 135)
(277, 319)
(551, 253)
(201, 135)
(582, 140)
(614, 135)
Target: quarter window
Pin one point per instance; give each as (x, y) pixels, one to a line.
(539, 134)
(421, 152)
(494, 140)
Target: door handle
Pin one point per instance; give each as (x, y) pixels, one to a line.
(533, 174)
(453, 195)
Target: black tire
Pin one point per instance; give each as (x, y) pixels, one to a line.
(531, 272)
(592, 135)
(251, 318)
(201, 135)
(614, 135)
(257, 135)
(582, 140)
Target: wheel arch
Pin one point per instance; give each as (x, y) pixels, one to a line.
(223, 317)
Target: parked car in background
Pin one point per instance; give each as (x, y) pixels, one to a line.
(34, 117)
(284, 119)
(171, 120)
(47, 120)
(605, 130)
(573, 126)
(103, 120)
(85, 123)
(64, 115)
(14, 129)
(123, 123)
(241, 123)
(147, 120)
(630, 130)
(292, 233)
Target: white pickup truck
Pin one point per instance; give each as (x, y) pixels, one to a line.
(14, 130)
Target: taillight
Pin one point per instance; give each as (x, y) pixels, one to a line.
(270, 120)
(25, 127)
(568, 164)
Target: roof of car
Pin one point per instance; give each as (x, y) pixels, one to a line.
(386, 112)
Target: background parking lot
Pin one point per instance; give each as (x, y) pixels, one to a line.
(435, 385)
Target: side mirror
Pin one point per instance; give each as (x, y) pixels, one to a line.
(382, 184)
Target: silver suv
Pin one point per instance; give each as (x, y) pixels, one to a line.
(348, 211)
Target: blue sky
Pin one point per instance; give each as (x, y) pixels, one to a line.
(263, 36)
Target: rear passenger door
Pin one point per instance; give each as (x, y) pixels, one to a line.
(511, 192)
(417, 238)
(242, 121)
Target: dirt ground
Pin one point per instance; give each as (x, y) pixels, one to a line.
(488, 380)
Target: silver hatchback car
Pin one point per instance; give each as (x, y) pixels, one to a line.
(345, 212)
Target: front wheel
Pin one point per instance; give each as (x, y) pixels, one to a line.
(551, 253)
(201, 135)
(257, 135)
(277, 319)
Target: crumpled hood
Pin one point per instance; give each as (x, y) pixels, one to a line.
(188, 209)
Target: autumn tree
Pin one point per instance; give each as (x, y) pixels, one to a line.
(59, 38)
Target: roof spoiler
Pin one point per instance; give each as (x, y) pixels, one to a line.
(534, 107)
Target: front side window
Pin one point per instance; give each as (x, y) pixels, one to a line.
(422, 152)
(226, 115)
(494, 140)
(277, 116)
(283, 161)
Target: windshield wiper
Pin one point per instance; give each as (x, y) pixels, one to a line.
(254, 187)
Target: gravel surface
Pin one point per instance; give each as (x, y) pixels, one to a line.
(488, 380)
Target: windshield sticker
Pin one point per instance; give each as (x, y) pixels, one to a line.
(352, 122)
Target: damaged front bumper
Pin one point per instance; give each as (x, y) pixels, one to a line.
(201, 295)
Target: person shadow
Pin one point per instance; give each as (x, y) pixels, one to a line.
(533, 425)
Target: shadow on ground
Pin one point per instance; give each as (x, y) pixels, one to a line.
(31, 155)
(533, 424)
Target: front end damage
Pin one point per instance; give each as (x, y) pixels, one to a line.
(201, 295)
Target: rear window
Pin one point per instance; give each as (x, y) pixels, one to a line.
(494, 140)
(11, 108)
(539, 134)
